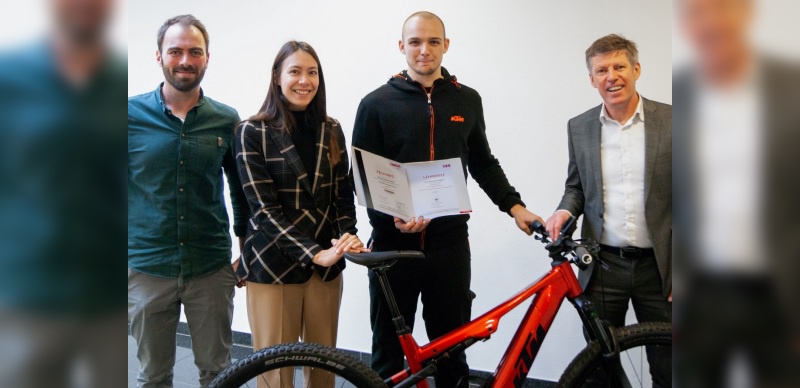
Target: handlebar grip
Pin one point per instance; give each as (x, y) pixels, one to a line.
(584, 255)
(538, 227)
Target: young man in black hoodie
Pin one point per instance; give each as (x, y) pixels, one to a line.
(424, 114)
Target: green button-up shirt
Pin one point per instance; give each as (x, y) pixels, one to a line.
(62, 199)
(177, 220)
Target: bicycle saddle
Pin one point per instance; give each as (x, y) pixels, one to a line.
(373, 259)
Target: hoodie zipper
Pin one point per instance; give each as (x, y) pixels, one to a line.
(432, 150)
(430, 108)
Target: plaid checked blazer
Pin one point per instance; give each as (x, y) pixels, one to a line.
(290, 208)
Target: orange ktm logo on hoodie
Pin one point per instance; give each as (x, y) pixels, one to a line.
(457, 119)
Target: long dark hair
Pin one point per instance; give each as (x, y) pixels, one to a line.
(275, 109)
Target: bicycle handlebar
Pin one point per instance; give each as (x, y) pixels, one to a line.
(583, 255)
(580, 252)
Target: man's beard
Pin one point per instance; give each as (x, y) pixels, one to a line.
(180, 83)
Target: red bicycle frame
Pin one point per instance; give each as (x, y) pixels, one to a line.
(550, 290)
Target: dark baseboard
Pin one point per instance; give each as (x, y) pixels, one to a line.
(243, 346)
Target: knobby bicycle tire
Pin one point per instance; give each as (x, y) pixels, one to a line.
(342, 365)
(628, 337)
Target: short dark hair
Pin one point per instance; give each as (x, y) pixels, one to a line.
(611, 43)
(184, 20)
(424, 15)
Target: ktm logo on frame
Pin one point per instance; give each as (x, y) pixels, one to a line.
(457, 119)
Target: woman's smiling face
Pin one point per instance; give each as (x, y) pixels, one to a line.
(299, 79)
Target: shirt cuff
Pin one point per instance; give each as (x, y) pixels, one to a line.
(565, 210)
(307, 260)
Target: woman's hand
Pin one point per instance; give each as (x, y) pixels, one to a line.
(327, 257)
(347, 243)
(350, 243)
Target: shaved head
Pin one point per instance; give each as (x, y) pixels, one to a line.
(424, 44)
(423, 15)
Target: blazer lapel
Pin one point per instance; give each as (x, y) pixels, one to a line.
(321, 160)
(289, 153)
(652, 133)
(595, 130)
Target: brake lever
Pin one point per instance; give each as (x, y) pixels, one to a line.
(539, 231)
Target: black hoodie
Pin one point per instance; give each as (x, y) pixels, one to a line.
(402, 122)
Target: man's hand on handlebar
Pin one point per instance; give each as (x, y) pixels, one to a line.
(555, 222)
(524, 218)
(413, 226)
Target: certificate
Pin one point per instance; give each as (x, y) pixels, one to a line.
(410, 190)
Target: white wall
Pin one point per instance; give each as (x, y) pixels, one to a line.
(24, 22)
(524, 57)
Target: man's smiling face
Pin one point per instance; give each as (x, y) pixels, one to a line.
(615, 77)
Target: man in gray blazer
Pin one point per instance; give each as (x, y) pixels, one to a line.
(735, 188)
(620, 179)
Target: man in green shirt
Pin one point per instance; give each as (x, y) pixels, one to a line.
(61, 201)
(179, 247)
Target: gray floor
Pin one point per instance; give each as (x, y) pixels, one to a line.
(185, 372)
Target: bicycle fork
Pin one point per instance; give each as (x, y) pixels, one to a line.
(598, 331)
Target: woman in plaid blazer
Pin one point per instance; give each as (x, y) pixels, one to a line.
(292, 161)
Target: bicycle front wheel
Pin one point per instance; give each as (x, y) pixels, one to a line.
(323, 366)
(590, 368)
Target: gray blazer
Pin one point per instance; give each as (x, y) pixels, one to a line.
(583, 191)
(780, 89)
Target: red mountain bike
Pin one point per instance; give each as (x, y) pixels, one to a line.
(614, 357)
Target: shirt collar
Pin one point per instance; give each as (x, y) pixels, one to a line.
(637, 115)
(160, 98)
(749, 83)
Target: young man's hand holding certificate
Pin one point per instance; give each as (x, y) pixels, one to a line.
(410, 190)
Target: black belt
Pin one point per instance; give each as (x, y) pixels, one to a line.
(628, 252)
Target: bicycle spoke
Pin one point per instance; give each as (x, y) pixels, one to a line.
(616, 373)
(636, 371)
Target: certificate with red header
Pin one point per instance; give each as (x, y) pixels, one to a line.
(410, 190)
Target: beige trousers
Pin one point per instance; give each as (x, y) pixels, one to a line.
(285, 313)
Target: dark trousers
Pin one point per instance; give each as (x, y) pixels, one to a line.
(638, 282)
(728, 315)
(442, 279)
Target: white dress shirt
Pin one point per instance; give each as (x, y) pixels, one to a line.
(728, 139)
(622, 155)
